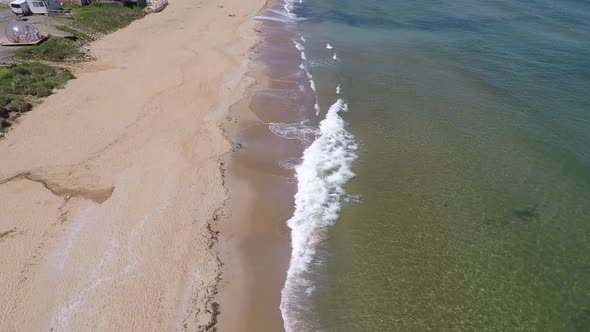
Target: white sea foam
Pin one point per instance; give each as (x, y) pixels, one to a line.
(328, 46)
(352, 199)
(326, 167)
(278, 12)
(288, 13)
(299, 131)
(338, 89)
(298, 46)
(290, 163)
(312, 85)
(280, 15)
(335, 57)
(270, 18)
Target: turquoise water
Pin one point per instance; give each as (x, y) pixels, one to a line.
(472, 120)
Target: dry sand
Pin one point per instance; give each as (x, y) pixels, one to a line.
(108, 190)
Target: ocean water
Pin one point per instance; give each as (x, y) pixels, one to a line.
(447, 182)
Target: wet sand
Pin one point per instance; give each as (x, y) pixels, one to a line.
(255, 241)
(110, 190)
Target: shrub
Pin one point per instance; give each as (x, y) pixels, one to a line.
(42, 91)
(4, 113)
(20, 106)
(24, 83)
(26, 78)
(104, 19)
(67, 75)
(79, 35)
(21, 70)
(4, 73)
(5, 124)
(4, 100)
(54, 49)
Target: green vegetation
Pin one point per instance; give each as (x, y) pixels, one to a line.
(53, 49)
(80, 35)
(88, 22)
(103, 19)
(23, 84)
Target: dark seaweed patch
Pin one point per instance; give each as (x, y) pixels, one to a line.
(529, 214)
(525, 215)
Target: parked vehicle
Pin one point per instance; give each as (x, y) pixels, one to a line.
(39, 7)
(20, 7)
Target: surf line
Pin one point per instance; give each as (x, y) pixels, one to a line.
(325, 168)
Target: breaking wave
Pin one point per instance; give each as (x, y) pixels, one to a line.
(321, 174)
(321, 177)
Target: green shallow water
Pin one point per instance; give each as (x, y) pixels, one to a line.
(473, 120)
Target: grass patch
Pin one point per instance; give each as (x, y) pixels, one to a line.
(104, 19)
(23, 84)
(53, 49)
(76, 33)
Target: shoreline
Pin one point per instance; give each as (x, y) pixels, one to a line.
(239, 294)
(142, 254)
(257, 241)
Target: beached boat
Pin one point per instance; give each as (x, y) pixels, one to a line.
(156, 6)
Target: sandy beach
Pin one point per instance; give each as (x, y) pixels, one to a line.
(109, 190)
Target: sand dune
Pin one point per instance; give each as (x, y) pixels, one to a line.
(108, 189)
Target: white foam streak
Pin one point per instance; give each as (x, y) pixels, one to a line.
(326, 167)
(299, 131)
(312, 85)
(338, 89)
(278, 12)
(335, 57)
(328, 46)
(298, 46)
(289, 164)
